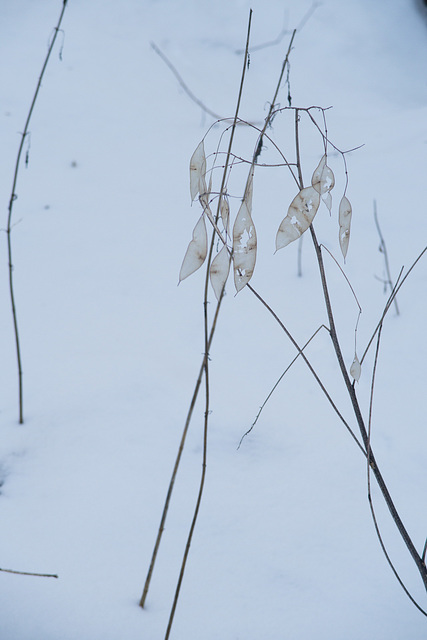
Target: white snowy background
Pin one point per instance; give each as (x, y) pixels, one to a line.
(284, 548)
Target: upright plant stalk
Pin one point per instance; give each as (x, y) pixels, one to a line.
(207, 345)
(356, 408)
(419, 561)
(13, 197)
(368, 474)
(204, 461)
(177, 462)
(208, 341)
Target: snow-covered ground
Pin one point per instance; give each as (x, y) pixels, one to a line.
(284, 548)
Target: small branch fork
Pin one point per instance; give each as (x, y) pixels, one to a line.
(13, 197)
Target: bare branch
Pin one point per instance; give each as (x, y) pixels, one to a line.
(187, 90)
(29, 573)
(368, 466)
(13, 197)
(277, 384)
(383, 250)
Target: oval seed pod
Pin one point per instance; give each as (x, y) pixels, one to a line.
(323, 179)
(220, 268)
(344, 219)
(249, 189)
(197, 250)
(356, 369)
(327, 199)
(244, 247)
(300, 215)
(224, 209)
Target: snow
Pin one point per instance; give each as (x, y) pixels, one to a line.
(284, 546)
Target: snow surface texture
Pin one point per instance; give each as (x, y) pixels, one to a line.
(284, 547)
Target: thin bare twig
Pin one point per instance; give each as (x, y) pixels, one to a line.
(184, 86)
(308, 363)
(284, 31)
(29, 573)
(229, 155)
(277, 384)
(352, 291)
(207, 345)
(269, 117)
(13, 197)
(352, 393)
(299, 256)
(368, 467)
(177, 462)
(383, 249)
(389, 302)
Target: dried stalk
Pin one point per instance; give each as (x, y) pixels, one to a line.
(383, 249)
(352, 393)
(12, 199)
(29, 573)
(229, 155)
(207, 344)
(368, 474)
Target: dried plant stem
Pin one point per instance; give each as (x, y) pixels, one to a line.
(207, 345)
(368, 473)
(356, 408)
(309, 365)
(29, 573)
(203, 371)
(396, 289)
(13, 197)
(352, 393)
(178, 460)
(277, 384)
(202, 478)
(383, 249)
(273, 102)
(322, 326)
(184, 86)
(299, 258)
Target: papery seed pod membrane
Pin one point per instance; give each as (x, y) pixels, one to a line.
(204, 201)
(224, 209)
(198, 171)
(355, 369)
(323, 179)
(196, 251)
(299, 217)
(327, 199)
(247, 197)
(244, 247)
(220, 268)
(344, 219)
